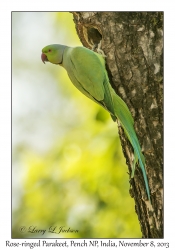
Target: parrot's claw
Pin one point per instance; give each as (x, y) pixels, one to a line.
(99, 50)
(94, 47)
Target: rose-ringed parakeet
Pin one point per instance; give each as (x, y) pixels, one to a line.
(86, 69)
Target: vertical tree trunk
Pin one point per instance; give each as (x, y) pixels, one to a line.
(133, 45)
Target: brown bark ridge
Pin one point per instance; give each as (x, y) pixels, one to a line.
(133, 45)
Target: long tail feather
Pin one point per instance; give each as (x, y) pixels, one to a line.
(123, 114)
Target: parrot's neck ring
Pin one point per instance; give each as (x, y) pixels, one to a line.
(62, 56)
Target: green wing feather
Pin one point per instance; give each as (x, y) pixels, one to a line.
(87, 70)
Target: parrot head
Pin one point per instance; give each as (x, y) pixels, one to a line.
(53, 53)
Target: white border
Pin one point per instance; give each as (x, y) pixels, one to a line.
(5, 95)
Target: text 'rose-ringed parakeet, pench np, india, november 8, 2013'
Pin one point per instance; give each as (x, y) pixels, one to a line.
(86, 69)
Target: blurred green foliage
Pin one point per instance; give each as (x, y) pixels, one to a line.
(81, 182)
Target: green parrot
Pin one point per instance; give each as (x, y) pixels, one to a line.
(86, 70)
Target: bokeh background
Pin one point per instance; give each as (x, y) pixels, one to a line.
(68, 169)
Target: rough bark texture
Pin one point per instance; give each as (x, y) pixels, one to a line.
(133, 45)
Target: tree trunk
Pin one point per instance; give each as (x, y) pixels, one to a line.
(133, 45)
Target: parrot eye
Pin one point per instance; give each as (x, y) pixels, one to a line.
(49, 50)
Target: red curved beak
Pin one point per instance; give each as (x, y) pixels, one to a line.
(44, 58)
